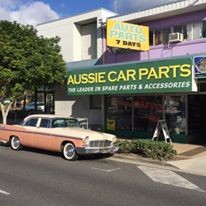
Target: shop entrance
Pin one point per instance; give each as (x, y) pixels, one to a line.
(196, 119)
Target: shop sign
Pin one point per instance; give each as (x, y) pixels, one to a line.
(128, 36)
(200, 67)
(163, 76)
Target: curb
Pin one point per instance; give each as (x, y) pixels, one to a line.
(135, 159)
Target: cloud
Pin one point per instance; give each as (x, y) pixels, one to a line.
(31, 13)
(4, 15)
(10, 4)
(127, 6)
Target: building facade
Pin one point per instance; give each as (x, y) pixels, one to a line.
(177, 34)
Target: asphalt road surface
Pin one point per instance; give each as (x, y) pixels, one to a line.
(35, 178)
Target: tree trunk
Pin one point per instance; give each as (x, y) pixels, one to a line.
(5, 110)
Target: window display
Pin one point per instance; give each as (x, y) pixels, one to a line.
(175, 114)
(147, 112)
(141, 113)
(134, 113)
(119, 113)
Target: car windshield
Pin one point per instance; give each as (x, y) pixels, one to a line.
(64, 122)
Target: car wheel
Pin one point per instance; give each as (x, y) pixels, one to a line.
(69, 152)
(15, 143)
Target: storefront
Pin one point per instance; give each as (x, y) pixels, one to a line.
(138, 94)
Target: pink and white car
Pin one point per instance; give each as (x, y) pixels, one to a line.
(59, 134)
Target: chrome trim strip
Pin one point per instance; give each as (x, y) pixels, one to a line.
(99, 150)
(41, 133)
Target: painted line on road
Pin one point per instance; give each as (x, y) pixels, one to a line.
(103, 170)
(4, 192)
(168, 177)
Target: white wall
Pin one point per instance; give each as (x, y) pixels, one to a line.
(64, 107)
(69, 30)
(89, 41)
(62, 29)
(76, 106)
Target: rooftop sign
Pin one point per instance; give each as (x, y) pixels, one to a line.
(128, 36)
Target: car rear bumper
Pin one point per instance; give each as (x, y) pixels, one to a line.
(96, 150)
(3, 141)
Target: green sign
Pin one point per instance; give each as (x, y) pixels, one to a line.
(142, 77)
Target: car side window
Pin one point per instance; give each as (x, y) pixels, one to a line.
(45, 123)
(59, 123)
(73, 123)
(31, 122)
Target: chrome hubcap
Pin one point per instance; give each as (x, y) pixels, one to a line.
(69, 151)
(15, 142)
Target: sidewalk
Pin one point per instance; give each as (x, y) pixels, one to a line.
(190, 158)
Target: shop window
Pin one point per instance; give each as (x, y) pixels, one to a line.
(194, 31)
(151, 42)
(175, 114)
(147, 112)
(95, 101)
(181, 29)
(162, 36)
(197, 30)
(202, 87)
(119, 113)
(189, 31)
(157, 38)
(204, 29)
(134, 113)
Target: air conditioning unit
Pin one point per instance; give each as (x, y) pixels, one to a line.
(175, 37)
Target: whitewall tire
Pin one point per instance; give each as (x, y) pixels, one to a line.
(15, 143)
(69, 152)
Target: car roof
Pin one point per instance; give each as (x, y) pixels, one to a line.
(51, 116)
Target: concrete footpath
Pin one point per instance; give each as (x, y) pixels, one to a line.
(190, 158)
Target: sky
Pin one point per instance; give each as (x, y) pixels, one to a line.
(34, 12)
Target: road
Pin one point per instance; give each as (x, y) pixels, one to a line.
(36, 178)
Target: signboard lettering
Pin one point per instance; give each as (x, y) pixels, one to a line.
(126, 35)
(148, 77)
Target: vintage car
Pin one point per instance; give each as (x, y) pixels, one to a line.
(57, 133)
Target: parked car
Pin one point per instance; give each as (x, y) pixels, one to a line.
(57, 133)
(31, 106)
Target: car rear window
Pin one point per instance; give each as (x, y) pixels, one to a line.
(31, 122)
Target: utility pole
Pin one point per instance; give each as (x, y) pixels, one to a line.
(115, 6)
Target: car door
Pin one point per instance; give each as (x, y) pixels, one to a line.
(44, 138)
(28, 133)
